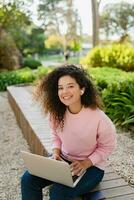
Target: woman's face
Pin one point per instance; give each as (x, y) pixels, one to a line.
(69, 91)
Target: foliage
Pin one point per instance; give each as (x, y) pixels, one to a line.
(42, 71)
(111, 79)
(57, 42)
(16, 77)
(120, 105)
(31, 63)
(14, 21)
(25, 75)
(117, 89)
(75, 45)
(117, 18)
(54, 42)
(12, 15)
(10, 56)
(35, 44)
(13, 35)
(54, 14)
(48, 11)
(116, 56)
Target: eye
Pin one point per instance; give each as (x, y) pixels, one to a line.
(60, 88)
(70, 86)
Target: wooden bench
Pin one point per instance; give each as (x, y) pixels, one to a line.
(35, 127)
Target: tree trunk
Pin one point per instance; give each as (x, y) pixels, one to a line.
(95, 22)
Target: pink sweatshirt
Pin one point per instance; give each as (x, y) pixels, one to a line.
(88, 134)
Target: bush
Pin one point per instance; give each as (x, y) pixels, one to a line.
(31, 63)
(16, 77)
(111, 79)
(117, 89)
(120, 106)
(10, 56)
(25, 75)
(117, 56)
(42, 71)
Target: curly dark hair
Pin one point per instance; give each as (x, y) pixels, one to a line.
(47, 91)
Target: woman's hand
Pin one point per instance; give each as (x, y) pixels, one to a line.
(56, 156)
(78, 167)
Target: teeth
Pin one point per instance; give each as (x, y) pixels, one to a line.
(66, 97)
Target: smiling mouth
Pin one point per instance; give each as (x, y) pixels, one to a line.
(67, 97)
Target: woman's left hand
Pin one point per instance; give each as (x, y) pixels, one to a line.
(77, 166)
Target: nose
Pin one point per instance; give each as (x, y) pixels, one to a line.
(65, 90)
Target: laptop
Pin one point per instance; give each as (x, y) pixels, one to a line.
(48, 168)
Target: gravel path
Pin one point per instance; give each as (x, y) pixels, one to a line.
(11, 163)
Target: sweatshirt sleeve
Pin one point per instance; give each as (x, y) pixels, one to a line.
(56, 142)
(106, 141)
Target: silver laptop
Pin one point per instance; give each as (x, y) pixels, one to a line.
(48, 168)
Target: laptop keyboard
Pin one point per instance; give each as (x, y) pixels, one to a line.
(74, 178)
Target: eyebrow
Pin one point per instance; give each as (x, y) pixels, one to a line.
(68, 84)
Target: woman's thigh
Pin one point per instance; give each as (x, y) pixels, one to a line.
(90, 179)
(29, 180)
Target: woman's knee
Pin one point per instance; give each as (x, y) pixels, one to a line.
(27, 179)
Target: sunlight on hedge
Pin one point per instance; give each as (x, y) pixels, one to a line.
(117, 56)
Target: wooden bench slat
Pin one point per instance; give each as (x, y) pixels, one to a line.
(111, 184)
(125, 197)
(111, 176)
(114, 192)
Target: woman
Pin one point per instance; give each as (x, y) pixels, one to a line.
(82, 133)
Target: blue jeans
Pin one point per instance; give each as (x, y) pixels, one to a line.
(31, 186)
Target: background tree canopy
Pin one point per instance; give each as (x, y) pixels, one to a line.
(55, 13)
(117, 18)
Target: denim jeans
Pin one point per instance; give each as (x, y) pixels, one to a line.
(31, 186)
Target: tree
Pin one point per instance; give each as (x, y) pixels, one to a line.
(35, 43)
(13, 35)
(49, 13)
(54, 42)
(15, 22)
(73, 26)
(117, 18)
(95, 21)
(60, 17)
(10, 56)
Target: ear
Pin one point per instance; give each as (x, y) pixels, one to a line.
(82, 91)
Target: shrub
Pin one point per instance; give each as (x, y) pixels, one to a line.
(111, 79)
(16, 77)
(117, 89)
(31, 63)
(10, 56)
(117, 56)
(25, 75)
(42, 71)
(120, 106)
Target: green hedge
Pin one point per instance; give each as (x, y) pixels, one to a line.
(117, 89)
(25, 75)
(31, 63)
(117, 56)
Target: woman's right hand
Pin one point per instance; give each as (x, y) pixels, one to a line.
(56, 156)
